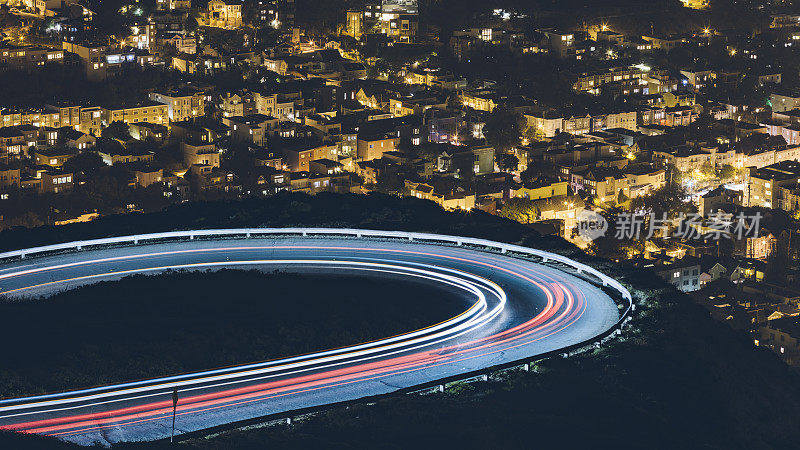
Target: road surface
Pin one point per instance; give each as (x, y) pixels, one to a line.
(513, 309)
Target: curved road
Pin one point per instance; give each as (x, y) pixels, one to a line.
(513, 309)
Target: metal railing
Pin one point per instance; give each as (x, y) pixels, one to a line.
(263, 232)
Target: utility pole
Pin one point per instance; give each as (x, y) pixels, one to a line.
(174, 410)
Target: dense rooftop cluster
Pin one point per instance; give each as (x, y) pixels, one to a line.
(114, 106)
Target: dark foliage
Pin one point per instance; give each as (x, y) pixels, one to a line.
(376, 211)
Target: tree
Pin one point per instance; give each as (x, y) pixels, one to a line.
(615, 244)
(503, 128)
(520, 209)
(465, 134)
(670, 199)
(508, 162)
(167, 51)
(707, 170)
(84, 164)
(727, 172)
(117, 130)
(538, 169)
(191, 23)
(702, 127)
(778, 262)
(621, 197)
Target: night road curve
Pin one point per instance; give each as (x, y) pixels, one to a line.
(514, 308)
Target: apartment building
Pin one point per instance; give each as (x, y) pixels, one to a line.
(298, 157)
(69, 114)
(591, 81)
(13, 144)
(481, 100)
(148, 111)
(373, 146)
(253, 128)
(28, 57)
(784, 101)
(604, 183)
(56, 182)
(644, 179)
(182, 104)
(467, 161)
(197, 152)
(399, 19)
(99, 60)
(762, 185)
(561, 44)
(685, 158)
(225, 14)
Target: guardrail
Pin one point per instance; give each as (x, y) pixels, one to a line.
(255, 232)
(431, 386)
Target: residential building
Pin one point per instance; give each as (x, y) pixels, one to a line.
(373, 146)
(467, 161)
(254, 128)
(784, 101)
(197, 152)
(182, 104)
(542, 188)
(225, 14)
(101, 61)
(53, 157)
(28, 57)
(147, 111)
(682, 273)
(761, 185)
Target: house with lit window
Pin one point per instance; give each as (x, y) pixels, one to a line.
(13, 144)
(447, 198)
(399, 19)
(199, 64)
(683, 273)
(197, 152)
(147, 111)
(101, 61)
(373, 146)
(298, 153)
(55, 182)
(253, 128)
(762, 186)
(466, 161)
(54, 157)
(480, 100)
(112, 152)
(182, 103)
(782, 335)
(28, 57)
(225, 14)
